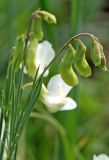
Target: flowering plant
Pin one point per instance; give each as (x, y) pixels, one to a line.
(33, 57)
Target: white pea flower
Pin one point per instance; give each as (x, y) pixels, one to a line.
(101, 157)
(55, 97)
(38, 56)
(44, 56)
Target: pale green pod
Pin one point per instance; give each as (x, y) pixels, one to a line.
(96, 52)
(81, 63)
(17, 52)
(66, 71)
(37, 28)
(30, 58)
(46, 16)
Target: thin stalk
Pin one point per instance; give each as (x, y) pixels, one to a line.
(1, 120)
(18, 97)
(28, 102)
(13, 110)
(3, 146)
(25, 115)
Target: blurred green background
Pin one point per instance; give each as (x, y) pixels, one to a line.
(88, 126)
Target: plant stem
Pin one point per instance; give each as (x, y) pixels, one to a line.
(13, 148)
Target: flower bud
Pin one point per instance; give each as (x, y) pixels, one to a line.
(37, 29)
(66, 71)
(46, 16)
(81, 64)
(97, 55)
(30, 58)
(96, 52)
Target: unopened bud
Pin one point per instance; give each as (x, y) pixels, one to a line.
(46, 16)
(66, 71)
(81, 63)
(96, 53)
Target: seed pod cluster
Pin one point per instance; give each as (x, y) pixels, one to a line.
(78, 59)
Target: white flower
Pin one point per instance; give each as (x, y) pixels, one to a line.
(101, 157)
(55, 98)
(44, 56)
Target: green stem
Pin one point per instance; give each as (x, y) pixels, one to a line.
(12, 147)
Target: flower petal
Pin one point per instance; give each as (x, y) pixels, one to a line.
(53, 103)
(57, 86)
(56, 103)
(44, 55)
(69, 104)
(101, 157)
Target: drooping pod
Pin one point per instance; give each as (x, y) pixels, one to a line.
(30, 57)
(37, 28)
(46, 16)
(96, 52)
(66, 71)
(81, 64)
(17, 52)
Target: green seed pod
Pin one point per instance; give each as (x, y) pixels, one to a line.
(81, 64)
(96, 52)
(103, 60)
(17, 52)
(66, 71)
(37, 29)
(30, 58)
(46, 16)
